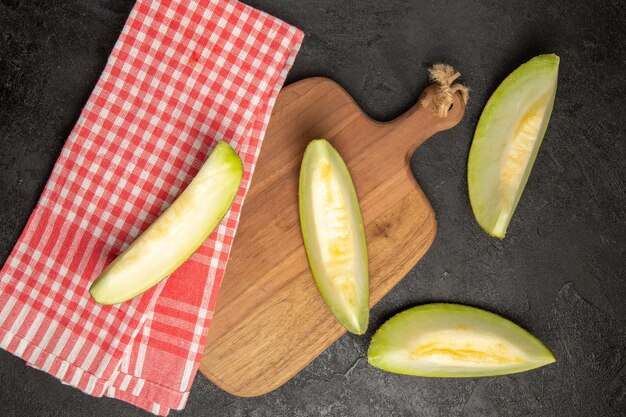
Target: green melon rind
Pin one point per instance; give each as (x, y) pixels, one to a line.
(542, 66)
(396, 331)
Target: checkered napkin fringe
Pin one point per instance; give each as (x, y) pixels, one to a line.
(183, 75)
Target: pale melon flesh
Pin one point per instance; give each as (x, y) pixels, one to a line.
(333, 234)
(177, 233)
(454, 341)
(507, 139)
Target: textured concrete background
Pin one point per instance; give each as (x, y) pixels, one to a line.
(560, 272)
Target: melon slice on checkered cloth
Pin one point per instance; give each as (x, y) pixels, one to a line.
(183, 75)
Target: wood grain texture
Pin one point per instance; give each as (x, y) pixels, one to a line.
(270, 320)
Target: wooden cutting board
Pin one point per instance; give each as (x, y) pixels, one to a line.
(270, 320)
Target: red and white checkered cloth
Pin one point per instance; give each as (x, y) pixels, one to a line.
(183, 75)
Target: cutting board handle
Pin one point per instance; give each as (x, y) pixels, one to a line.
(455, 111)
(419, 123)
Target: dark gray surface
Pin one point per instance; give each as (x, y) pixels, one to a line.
(560, 272)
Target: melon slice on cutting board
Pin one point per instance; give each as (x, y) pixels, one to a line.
(454, 341)
(333, 234)
(507, 139)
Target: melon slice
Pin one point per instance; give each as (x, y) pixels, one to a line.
(507, 139)
(176, 234)
(454, 341)
(333, 233)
